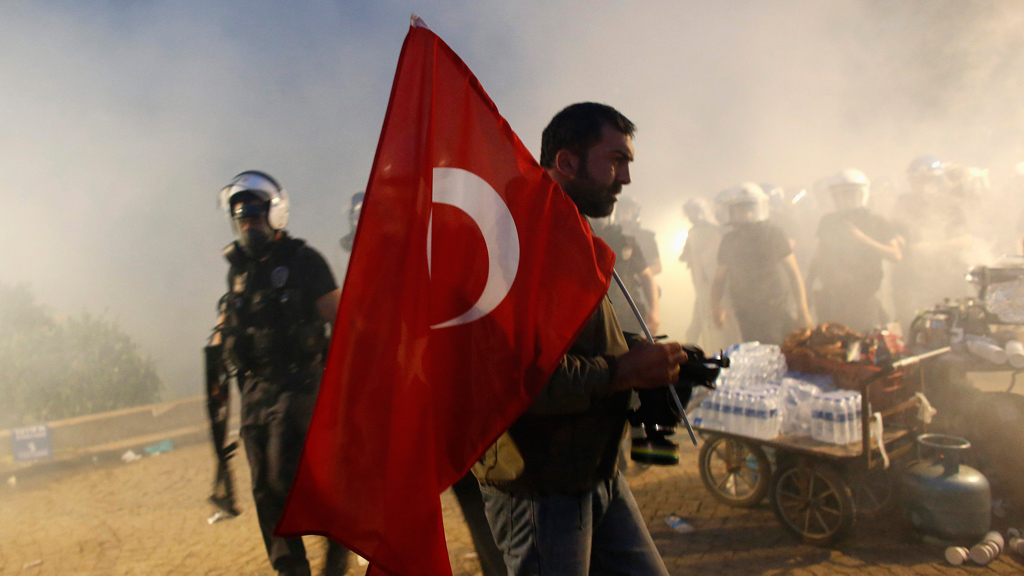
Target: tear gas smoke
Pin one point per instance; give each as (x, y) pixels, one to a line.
(122, 120)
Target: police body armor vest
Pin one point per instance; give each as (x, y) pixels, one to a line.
(271, 325)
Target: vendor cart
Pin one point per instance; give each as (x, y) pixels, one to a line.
(817, 490)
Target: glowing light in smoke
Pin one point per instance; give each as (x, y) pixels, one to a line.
(679, 240)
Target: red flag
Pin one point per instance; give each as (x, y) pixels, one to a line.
(471, 275)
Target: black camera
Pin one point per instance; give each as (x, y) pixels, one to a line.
(659, 414)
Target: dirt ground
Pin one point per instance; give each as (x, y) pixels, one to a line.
(149, 517)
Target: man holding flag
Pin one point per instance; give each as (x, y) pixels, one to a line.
(471, 276)
(553, 495)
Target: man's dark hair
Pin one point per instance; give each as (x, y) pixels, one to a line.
(578, 127)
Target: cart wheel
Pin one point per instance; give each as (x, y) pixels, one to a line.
(874, 493)
(813, 502)
(736, 472)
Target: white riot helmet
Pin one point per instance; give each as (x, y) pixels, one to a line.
(264, 188)
(747, 204)
(722, 200)
(698, 210)
(850, 189)
(927, 174)
(258, 208)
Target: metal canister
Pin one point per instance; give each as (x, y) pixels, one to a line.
(942, 498)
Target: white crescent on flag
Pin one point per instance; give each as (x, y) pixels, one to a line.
(474, 196)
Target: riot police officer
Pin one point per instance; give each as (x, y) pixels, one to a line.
(938, 241)
(853, 242)
(755, 261)
(275, 319)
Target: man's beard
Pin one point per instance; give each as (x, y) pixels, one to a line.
(592, 199)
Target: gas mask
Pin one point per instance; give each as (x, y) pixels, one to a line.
(253, 231)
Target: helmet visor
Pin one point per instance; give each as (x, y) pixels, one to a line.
(748, 212)
(850, 197)
(248, 209)
(252, 183)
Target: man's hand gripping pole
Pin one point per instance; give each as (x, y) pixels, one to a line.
(650, 338)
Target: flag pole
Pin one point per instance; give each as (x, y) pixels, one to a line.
(650, 338)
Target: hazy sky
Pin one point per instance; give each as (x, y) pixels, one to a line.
(120, 120)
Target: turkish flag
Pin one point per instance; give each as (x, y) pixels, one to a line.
(471, 275)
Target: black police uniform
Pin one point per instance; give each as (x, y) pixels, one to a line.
(752, 254)
(850, 272)
(275, 338)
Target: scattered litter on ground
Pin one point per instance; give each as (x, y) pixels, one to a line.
(159, 448)
(130, 456)
(32, 564)
(12, 481)
(956, 555)
(679, 525)
(218, 516)
(469, 555)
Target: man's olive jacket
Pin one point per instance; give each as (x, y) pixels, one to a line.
(569, 437)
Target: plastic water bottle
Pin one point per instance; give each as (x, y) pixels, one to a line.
(700, 418)
(724, 410)
(761, 427)
(697, 418)
(749, 404)
(729, 421)
(828, 410)
(842, 419)
(1015, 353)
(760, 405)
(856, 434)
(774, 420)
(831, 432)
(852, 424)
(987, 350)
(817, 418)
(739, 412)
(840, 431)
(771, 421)
(757, 414)
(824, 425)
(858, 417)
(849, 413)
(715, 410)
(740, 421)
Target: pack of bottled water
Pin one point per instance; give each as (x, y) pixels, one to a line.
(836, 417)
(795, 394)
(746, 400)
(753, 365)
(751, 412)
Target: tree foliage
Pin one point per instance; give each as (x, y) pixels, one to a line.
(52, 369)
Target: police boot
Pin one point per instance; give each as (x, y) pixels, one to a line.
(294, 569)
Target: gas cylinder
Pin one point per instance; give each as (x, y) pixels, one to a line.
(942, 498)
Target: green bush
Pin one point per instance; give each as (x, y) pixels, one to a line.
(52, 369)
